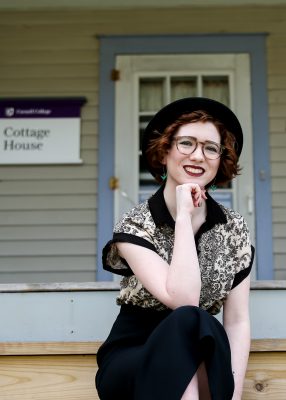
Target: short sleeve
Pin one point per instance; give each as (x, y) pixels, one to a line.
(136, 228)
(245, 252)
(241, 275)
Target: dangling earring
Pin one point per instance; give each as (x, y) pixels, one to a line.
(213, 186)
(164, 175)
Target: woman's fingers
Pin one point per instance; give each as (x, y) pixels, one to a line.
(196, 192)
(197, 195)
(204, 196)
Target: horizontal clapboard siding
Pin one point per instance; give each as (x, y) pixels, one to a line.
(277, 112)
(48, 213)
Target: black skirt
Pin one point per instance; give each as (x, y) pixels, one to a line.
(153, 355)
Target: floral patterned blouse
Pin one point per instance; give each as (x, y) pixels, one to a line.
(223, 245)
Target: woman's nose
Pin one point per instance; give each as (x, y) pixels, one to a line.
(197, 154)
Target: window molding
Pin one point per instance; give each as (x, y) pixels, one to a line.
(254, 44)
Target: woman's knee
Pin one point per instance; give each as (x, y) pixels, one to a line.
(184, 312)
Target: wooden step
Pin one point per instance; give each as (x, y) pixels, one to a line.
(66, 370)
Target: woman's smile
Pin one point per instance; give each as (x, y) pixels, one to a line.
(193, 170)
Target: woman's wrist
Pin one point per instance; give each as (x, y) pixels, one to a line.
(183, 217)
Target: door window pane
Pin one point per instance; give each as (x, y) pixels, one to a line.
(181, 87)
(151, 94)
(217, 88)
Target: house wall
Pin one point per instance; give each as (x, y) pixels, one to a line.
(48, 213)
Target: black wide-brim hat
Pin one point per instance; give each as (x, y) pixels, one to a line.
(171, 112)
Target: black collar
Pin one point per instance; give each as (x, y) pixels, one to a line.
(162, 216)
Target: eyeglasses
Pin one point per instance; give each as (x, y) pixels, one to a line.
(187, 145)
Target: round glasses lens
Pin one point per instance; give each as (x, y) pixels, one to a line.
(212, 150)
(186, 145)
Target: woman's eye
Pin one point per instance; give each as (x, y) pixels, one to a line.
(211, 148)
(186, 143)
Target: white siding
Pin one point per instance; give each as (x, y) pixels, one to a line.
(48, 213)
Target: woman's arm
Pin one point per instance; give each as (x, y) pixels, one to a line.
(179, 283)
(237, 325)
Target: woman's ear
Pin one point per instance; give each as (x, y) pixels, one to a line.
(164, 158)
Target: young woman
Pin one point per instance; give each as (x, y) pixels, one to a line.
(183, 257)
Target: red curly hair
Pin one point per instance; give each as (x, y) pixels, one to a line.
(228, 168)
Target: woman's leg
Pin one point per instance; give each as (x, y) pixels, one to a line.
(204, 388)
(171, 356)
(192, 391)
(198, 388)
(163, 366)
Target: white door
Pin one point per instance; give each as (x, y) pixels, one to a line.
(147, 83)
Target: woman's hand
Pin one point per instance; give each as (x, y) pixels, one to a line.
(188, 197)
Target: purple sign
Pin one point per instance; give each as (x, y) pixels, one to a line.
(41, 108)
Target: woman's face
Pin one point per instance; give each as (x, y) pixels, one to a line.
(195, 167)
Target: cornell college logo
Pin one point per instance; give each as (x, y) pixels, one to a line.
(9, 112)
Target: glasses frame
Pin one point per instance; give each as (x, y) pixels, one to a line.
(220, 146)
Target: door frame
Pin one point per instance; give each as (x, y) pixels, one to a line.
(254, 44)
